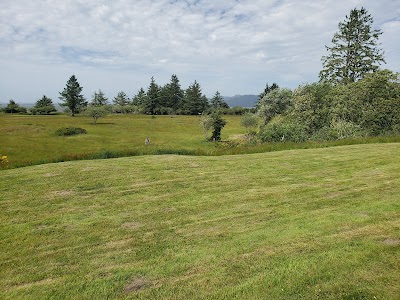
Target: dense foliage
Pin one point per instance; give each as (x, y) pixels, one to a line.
(323, 111)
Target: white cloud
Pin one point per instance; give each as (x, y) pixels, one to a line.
(233, 46)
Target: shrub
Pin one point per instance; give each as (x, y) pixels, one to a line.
(249, 121)
(68, 131)
(283, 132)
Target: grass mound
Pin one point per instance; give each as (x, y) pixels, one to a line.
(68, 131)
(298, 224)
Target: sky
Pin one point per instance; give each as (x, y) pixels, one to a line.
(233, 46)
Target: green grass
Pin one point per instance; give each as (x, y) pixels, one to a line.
(32, 140)
(299, 224)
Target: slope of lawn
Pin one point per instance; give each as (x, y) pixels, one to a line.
(299, 224)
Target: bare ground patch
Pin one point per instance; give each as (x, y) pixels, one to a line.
(137, 285)
(46, 281)
(63, 193)
(391, 242)
(131, 225)
(51, 174)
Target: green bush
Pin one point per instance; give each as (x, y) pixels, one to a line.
(68, 131)
(338, 130)
(283, 132)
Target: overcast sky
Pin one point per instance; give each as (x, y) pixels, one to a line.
(235, 47)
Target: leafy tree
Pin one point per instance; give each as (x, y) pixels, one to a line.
(217, 123)
(355, 49)
(311, 106)
(121, 99)
(372, 103)
(274, 103)
(72, 97)
(140, 98)
(99, 99)
(96, 112)
(44, 106)
(218, 102)
(194, 102)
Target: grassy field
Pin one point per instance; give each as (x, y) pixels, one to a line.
(30, 140)
(299, 224)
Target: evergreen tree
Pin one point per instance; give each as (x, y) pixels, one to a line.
(175, 93)
(194, 102)
(355, 49)
(217, 123)
(12, 107)
(164, 99)
(72, 97)
(151, 102)
(140, 98)
(99, 99)
(121, 99)
(218, 102)
(44, 106)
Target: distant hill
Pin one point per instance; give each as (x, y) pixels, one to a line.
(242, 100)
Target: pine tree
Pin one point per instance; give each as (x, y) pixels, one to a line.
(12, 107)
(218, 102)
(175, 93)
(99, 99)
(194, 102)
(139, 98)
(217, 123)
(121, 99)
(151, 104)
(44, 106)
(355, 51)
(71, 95)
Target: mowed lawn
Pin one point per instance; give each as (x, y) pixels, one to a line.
(30, 139)
(298, 224)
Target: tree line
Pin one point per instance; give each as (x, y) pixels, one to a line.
(156, 100)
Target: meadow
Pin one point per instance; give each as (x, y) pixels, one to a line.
(31, 140)
(298, 224)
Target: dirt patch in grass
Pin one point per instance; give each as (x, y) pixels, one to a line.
(63, 193)
(51, 174)
(137, 285)
(46, 281)
(22, 128)
(169, 209)
(131, 225)
(391, 242)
